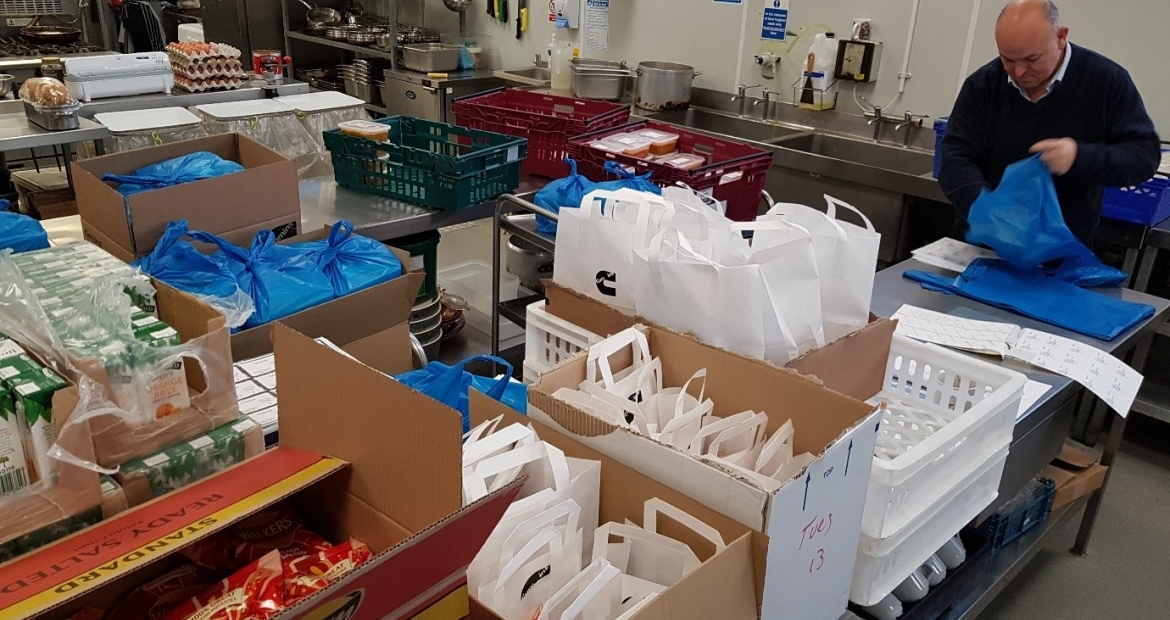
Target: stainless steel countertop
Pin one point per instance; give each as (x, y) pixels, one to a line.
(17, 132)
(183, 99)
(323, 203)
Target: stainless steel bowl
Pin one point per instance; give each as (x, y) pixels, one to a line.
(6, 80)
(338, 33)
(362, 36)
(457, 5)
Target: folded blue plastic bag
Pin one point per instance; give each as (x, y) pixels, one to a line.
(1037, 295)
(281, 280)
(565, 193)
(627, 180)
(190, 167)
(352, 262)
(20, 233)
(1021, 220)
(449, 385)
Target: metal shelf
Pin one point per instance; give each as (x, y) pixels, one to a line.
(1154, 401)
(357, 49)
(516, 309)
(377, 108)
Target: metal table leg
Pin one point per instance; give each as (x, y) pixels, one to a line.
(1131, 264)
(1149, 258)
(496, 277)
(99, 146)
(67, 150)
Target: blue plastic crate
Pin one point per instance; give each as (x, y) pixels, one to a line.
(1023, 514)
(940, 132)
(1146, 204)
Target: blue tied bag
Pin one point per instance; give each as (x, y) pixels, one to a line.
(281, 280)
(190, 167)
(450, 384)
(1021, 220)
(1037, 295)
(566, 193)
(19, 232)
(628, 180)
(352, 262)
(176, 262)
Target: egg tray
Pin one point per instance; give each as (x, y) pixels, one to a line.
(194, 50)
(204, 85)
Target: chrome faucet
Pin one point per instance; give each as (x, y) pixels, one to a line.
(909, 121)
(741, 97)
(876, 122)
(538, 61)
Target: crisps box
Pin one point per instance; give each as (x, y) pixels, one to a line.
(263, 196)
(388, 476)
(813, 522)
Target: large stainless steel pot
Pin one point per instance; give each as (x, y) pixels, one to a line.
(529, 262)
(664, 86)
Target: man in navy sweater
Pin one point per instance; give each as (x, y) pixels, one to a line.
(1079, 110)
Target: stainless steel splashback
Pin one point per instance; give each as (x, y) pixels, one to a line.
(32, 8)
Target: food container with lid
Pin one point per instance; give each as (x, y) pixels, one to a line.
(684, 161)
(365, 129)
(635, 145)
(137, 129)
(431, 57)
(267, 121)
(608, 147)
(661, 142)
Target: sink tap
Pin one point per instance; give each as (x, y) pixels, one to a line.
(538, 61)
(876, 122)
(766, 99)
(741, 97)
(909, 121)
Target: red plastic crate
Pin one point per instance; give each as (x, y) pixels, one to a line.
(734, 171)
(547, 121)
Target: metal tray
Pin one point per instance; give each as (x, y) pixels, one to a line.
(63, 118)
(431, 57)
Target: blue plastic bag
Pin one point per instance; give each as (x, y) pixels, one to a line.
(176, 262)
(352, 262)
(191, 167)
(565, 193)
(280, 280)
(1021, 220)
(628, 180)
(1037, 295)
(449, 385)
(19, 232)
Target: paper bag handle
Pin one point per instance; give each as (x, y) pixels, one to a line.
(600, 353)
(778, 441)
(656, 506)
(831, 210)
(511, 434)
(569, 510)
(633, 532)
(547, 538)
(475, 481)
(608, 573)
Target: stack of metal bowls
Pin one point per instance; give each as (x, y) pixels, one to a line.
(426, 323)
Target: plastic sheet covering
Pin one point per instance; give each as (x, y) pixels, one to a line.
(136, 398)
(132, 141)
(282, 133)
(317, 123)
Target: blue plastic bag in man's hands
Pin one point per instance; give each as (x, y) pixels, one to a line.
(1021, 220)
(449, 385)
(628, 180)
(1034, 294)
(352, 262)
(565, 193)
(190, 167)
(20, 233)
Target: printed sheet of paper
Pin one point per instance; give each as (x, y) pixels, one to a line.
(951, 254)
(950, 331)
(1107, 377)
(1033, 390)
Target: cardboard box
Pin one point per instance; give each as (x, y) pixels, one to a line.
(263, 196)
(726, 586)
(392, 480)
(1076, 473)
(813, 521)
(854, 365)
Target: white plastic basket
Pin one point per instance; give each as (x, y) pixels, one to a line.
(532, 372)
(952, 413)
(549, 339)
(883, 563)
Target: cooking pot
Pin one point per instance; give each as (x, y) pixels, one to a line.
(34, 32)
(664, 86)
(529, 263)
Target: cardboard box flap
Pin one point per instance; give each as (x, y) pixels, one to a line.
(1075, 458)
(107, 551)
(400, 441)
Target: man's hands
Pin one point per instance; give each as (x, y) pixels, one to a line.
(1058, 155)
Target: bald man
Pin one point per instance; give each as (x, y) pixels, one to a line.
(1079, 110)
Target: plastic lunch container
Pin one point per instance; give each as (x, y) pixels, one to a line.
(607, 146)
(635, 145)
(661, 142)
(684, 161)
(365, 129)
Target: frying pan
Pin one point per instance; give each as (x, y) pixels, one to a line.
(49, 35)
(321, 15)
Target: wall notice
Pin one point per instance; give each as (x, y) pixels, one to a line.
(775, 20)
(596, 25)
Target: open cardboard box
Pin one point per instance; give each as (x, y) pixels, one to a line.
(726, 586)
(854, 365)
(264, 196)
(1076, 473)
(813, 521)
(354, 467)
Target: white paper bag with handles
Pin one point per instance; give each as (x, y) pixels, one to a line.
(677, 414)
(726, 306)
(594, 594)
(595, 244)
(536, 572)
(644, 555)
(846, 262)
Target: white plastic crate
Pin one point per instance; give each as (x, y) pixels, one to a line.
(883, 563)
(549, 339)
(951, 413)
(532, 372)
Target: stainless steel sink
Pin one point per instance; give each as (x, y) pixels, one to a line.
(906, 161)
(732, 126)
(540, 77)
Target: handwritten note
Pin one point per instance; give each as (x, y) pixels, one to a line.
(951, 331)
(1107, 377)
(950, 254)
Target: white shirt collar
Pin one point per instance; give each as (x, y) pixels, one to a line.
(1057, 78)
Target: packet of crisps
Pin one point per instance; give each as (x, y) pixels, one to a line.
(307, 574)
(253, 593)
(278, 527)
(154, 599)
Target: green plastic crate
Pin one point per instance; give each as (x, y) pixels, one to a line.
(432, 164)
